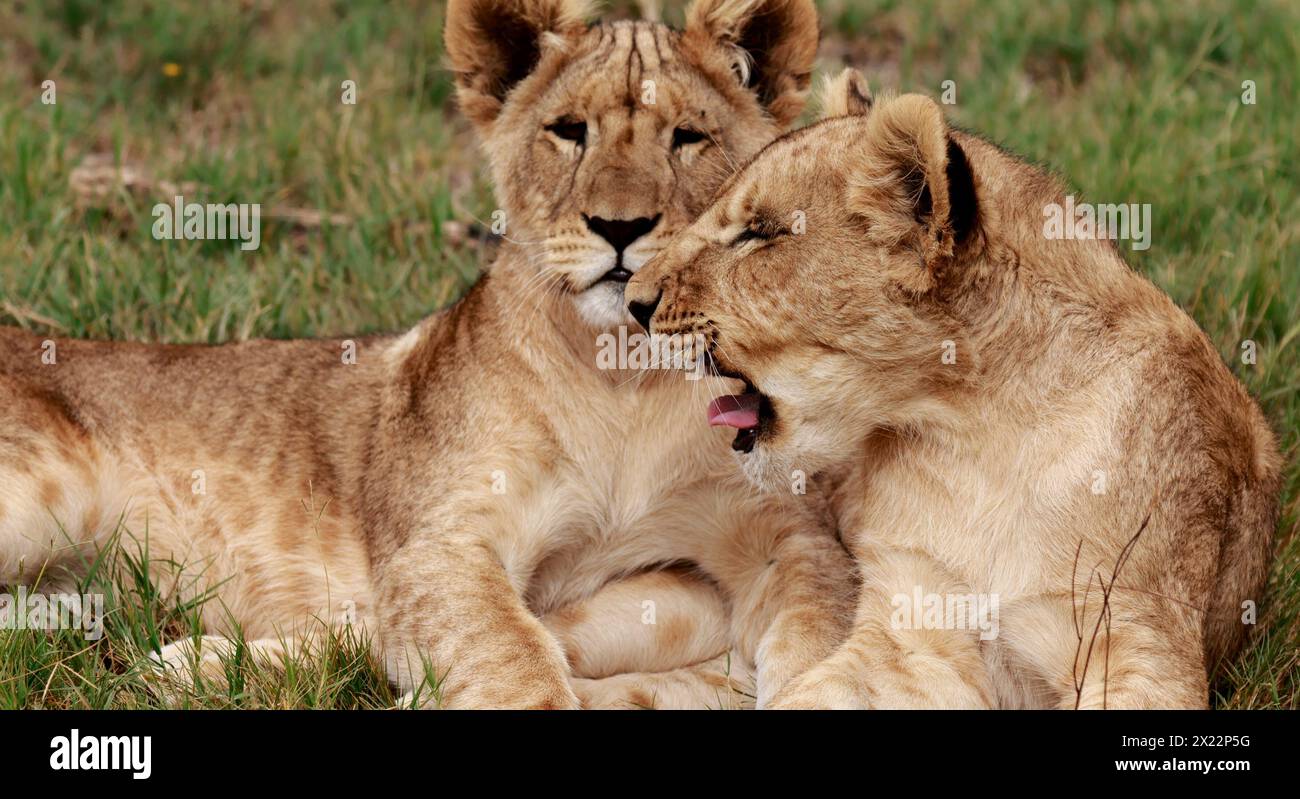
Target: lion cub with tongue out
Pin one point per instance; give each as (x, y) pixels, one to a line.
(1081, 462)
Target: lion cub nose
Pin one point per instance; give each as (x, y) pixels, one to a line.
(620, 233)
(643, 311)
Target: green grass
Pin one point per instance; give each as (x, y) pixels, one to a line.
(1133, 102)
(112, 668)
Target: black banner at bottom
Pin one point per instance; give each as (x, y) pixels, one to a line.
(303, 748)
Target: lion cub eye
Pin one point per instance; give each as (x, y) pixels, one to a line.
(569, 129)
(758, 230)
(685, 136)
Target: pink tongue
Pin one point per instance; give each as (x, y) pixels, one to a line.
(739, 411)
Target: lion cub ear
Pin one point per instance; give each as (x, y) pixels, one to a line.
(913, 184)
(494, 44)
(846, 95)
(774, 43)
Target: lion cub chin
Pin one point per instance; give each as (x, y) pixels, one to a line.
(1057, 494)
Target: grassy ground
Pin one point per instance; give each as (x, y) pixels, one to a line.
(369, 207)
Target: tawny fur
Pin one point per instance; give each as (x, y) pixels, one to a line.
(1083, 413)
(461, 482)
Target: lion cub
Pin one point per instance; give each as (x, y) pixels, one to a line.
(1018, 426)
(453, 488)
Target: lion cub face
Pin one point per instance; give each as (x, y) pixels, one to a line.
(606, 140)
(813, 278)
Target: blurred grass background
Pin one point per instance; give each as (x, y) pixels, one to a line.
(369, 210)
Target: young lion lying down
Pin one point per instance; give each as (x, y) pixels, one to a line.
(1021, 423)
(479, 495)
